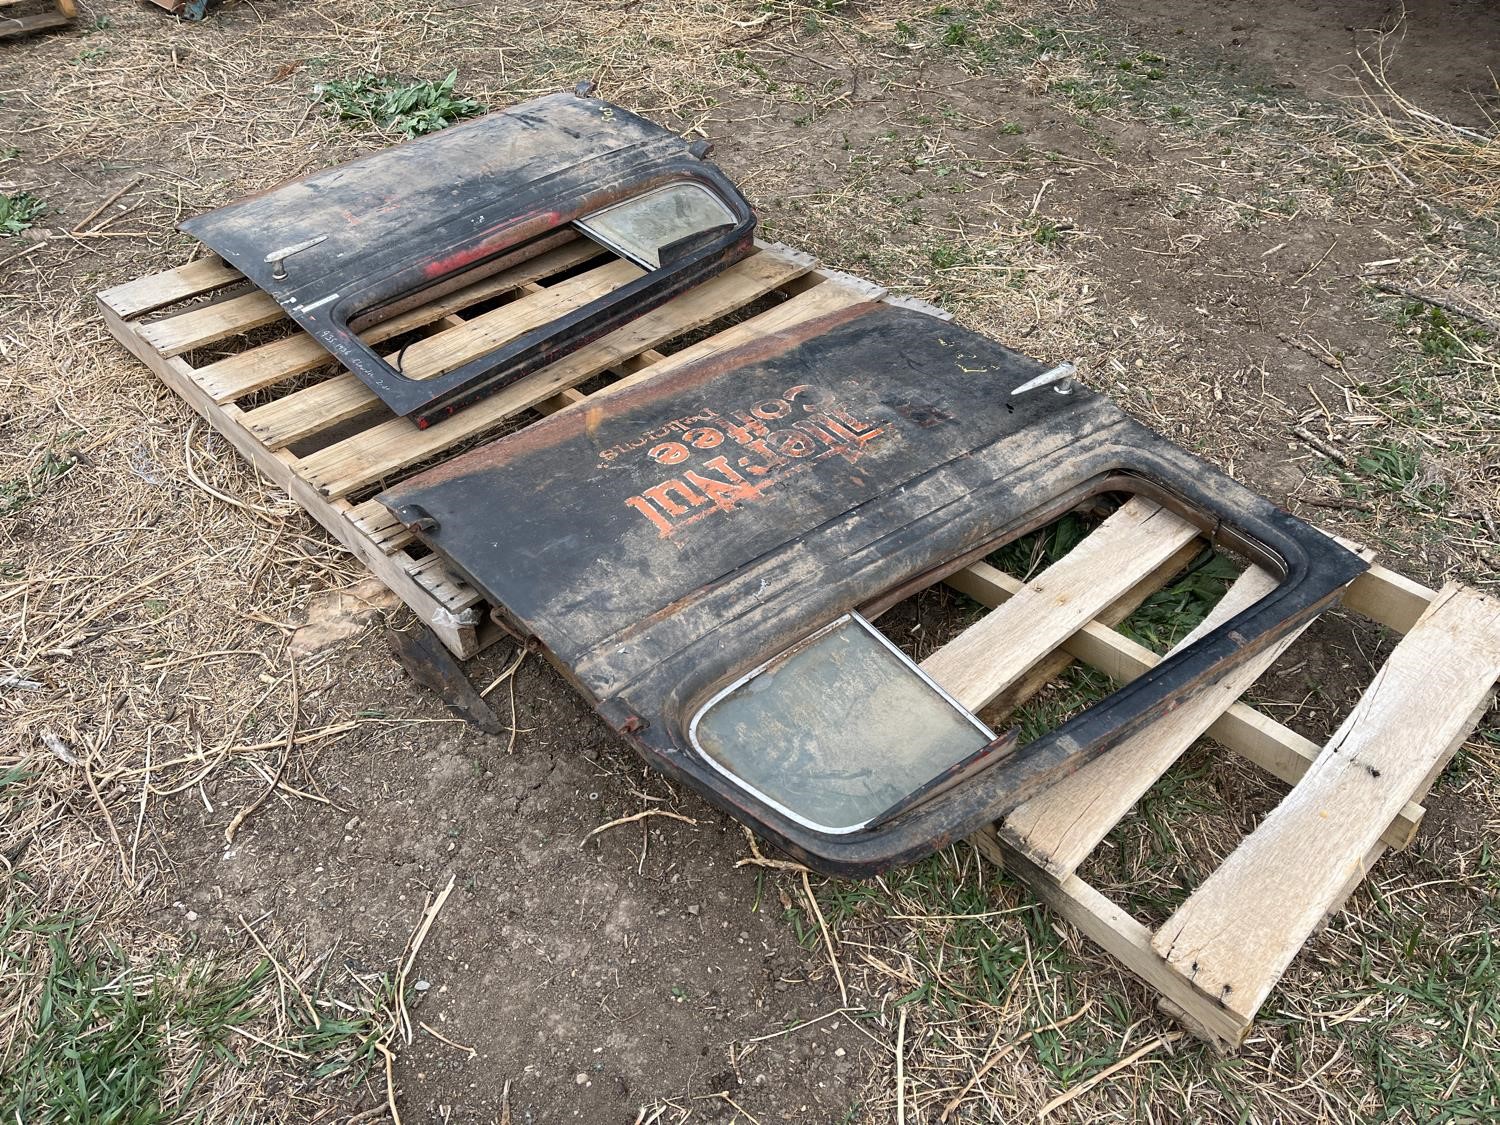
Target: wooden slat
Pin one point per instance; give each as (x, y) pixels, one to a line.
(1042, 673)
(24, 25)
(995, 651)
(447, 350)
(819, 301)
(375, 521)
(1389, 598)
(1060, 827)
(146, 294)
(319, 408)
(433, 574)
(1253, 735)
(1237, 932)
(384, 449)
(197, 327)
(265, 366)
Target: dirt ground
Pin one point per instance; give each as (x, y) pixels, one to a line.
(1200, 200)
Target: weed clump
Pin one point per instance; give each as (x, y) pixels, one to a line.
(19, 212)
(391, 104)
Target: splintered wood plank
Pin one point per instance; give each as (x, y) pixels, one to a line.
(146, 294)
(995, 651)
(322, 406)
(1059, 827)
(386, 448)
(1253, 735)
(377, 523)
(193, 329)
(265, 366)
(1237, 932)
(434, 576)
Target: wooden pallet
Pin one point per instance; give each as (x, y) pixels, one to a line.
(1221, 952)
(326, 439)
(319, 434)
(51, 13)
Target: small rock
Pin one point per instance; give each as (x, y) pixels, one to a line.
(694, 909)
(422, 985)
(582, 1079)
(838, 1052)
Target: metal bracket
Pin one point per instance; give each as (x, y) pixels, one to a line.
(1059, 378)
(276, 259)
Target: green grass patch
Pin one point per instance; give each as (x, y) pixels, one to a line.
(1097, 73)
(1076, 689)
(1025, 556)
(967, 954)
(346, 1044)
(1396, 469)
(392, 104)
(105, 1034)
(1144, 863)
(1438, 335)
(1046, 233)
(1432, 1057)
(19, 212)
(1176, 610)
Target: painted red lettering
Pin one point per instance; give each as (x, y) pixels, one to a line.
(650, 512)
(745, 429)
(792, 443)
(703, 437)
(771, 409)
(668, 453)
(662, 494)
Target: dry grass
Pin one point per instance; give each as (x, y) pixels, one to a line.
(149, 582)
(1453, 163)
